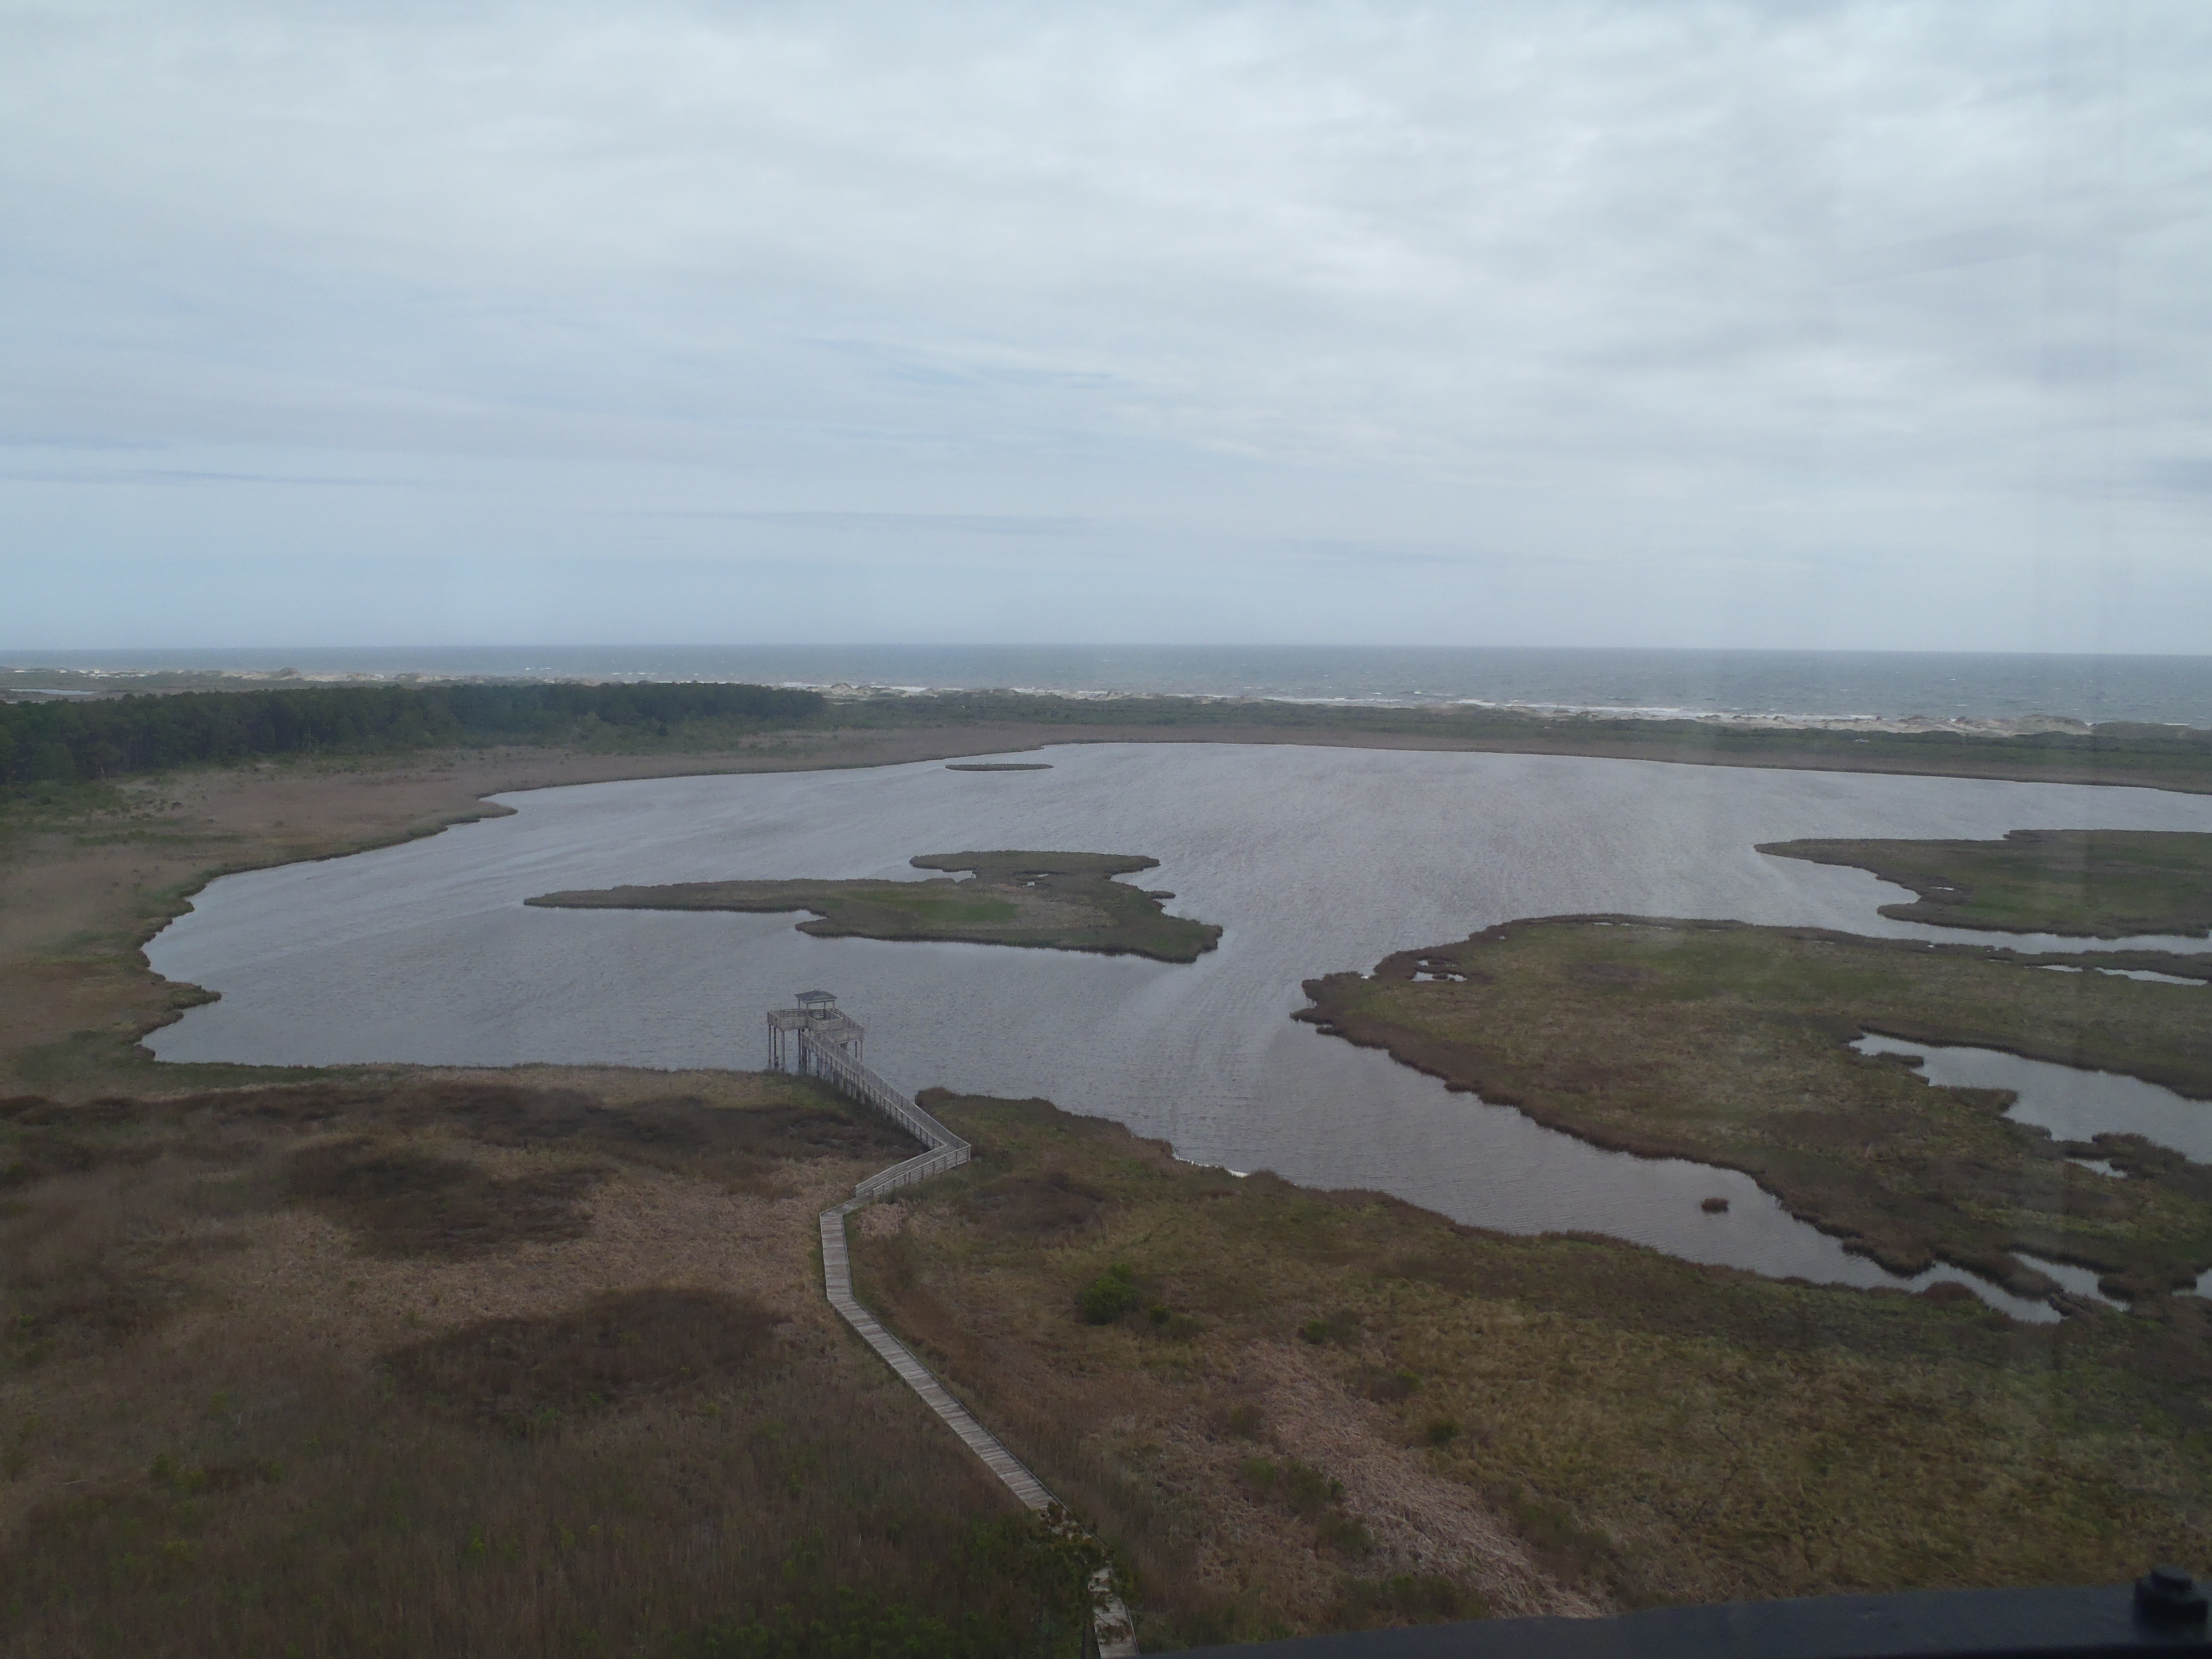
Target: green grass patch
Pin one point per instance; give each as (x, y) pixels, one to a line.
(1054, 901)
(952, 912)
(1724, 1043)
(2100, 884)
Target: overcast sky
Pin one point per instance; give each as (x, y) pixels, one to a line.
(1781, 324)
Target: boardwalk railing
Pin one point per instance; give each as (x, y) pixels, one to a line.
(1112, 1635)
(945, 1150)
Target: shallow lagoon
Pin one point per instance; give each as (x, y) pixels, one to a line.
(1313, 860)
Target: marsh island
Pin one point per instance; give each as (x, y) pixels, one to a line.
(2097, 883)
(1725, 1043)
(1054, 901)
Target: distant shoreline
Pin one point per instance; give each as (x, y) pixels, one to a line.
(717, 728)
(1948, 690)
(76, 685)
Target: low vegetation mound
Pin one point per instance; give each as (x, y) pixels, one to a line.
(1057, 901)
(402, 1201)
(1049, 1206)
(528, 1376)
(2097, 883)
(1725, 1043)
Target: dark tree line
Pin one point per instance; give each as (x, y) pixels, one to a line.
(54, 742)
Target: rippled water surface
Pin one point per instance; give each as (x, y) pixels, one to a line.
(1313, 860)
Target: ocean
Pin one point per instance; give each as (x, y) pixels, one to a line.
(1823, 684)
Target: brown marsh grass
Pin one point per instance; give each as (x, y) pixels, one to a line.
(1514, 1424)
(1725, 1043)
(440, 1369)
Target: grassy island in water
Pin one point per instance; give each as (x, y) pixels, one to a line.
(1725, 1043)
(1057, 901)
(2098, 884)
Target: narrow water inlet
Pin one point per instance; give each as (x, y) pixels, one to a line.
(2149, 976)
(2069, 1101)
(2077, 1280)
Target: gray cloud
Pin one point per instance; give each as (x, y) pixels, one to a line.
(1626, 295)
(977, 524)
(186, 476)
(2190, 474)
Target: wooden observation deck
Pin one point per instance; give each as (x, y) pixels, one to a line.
(816, 1038)
(816, 1019)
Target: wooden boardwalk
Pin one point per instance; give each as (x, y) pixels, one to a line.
(1114, 1634)
(942, 1149)
(837, 1278)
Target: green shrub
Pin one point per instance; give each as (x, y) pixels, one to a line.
(1299, 1487)
(1108, 1296)
(1342, 1327)
(1345, 1536)
(110, 737)
(1407, 1599)
(1307, 1490)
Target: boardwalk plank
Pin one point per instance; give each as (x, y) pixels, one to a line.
(837, 1276)
(1112, 1629)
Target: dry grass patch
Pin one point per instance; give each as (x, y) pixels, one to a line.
(403, 1201)
(1050, 1205)
(470, 1364)
(526, 1375)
